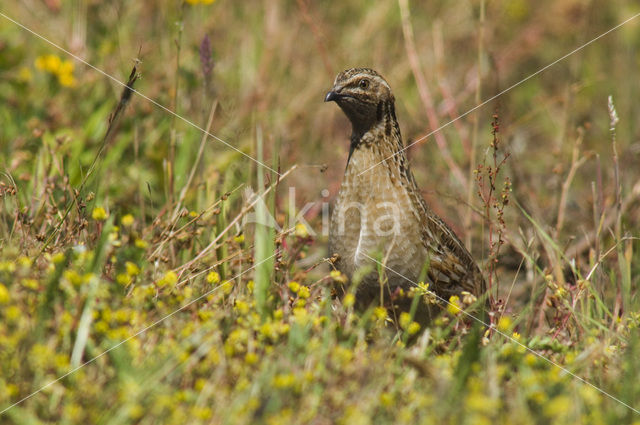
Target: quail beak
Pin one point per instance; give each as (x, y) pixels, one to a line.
(335, 95)
(331, 96)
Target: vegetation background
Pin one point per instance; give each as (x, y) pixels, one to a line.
(125, 241)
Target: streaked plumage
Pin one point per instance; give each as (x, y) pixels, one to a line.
(381, 210)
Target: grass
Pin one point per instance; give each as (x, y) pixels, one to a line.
(130, 241)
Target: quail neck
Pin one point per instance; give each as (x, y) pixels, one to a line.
(379, 211)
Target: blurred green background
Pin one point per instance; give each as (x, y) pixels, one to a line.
(97, 238)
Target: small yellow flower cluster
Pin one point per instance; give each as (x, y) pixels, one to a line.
(380, 313)
(61, 69)
(24, 262)
(131, 271)
(284, 380)
(140, 243)
(4, 294)
(386, 399)
(169, 279)
(281, 418)
(342, 355)
(99, 214)
(349, 300)
(504, 323)
(454, 306)
(408, 325)
(236, 342)
(242, 307)
(429, 296)
(302, 291)
(127, 220)
(75, 278)
(294, 286)
(478, 402)
(194, 2)
(338, 277)
(301, 230)
(301, 316)
(559, 291)
(213, 278)
(272, 330)
(132, 268)
(7, 266)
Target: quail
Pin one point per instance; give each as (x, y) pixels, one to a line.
(379, 211)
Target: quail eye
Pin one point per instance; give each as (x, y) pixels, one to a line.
(363, 84)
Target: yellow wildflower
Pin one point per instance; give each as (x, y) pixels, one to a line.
(349, 300)
(12, 313)
(66, 80)
(304, 292)
(251, 358)
(202, 412)
(413, 328)
(132, 268)
(199, 384)
(284, 380)
(294, 286)
(123, 279)
(242, 307)
(213, 278)
(504, 323)
(141, 244)
(386, 399)
(73, 277)
(405, 319)
(24, 262)
(135, 411)
(58, 258)
(99, 214)
(558, 406)
(49, 63)
(127, 220)
(62, 69)
(454, 306)
(30, 283)
(4, 294)
(301, 230)
(227, 286)
(7, 266)
(380, 313)
(170, 279)
(337, 276)
(301, 315)
(66, 67)
(530, 359)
